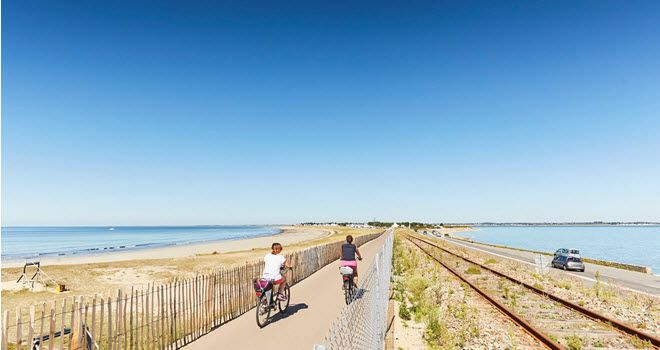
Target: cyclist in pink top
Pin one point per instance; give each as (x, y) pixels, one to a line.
(348, 253)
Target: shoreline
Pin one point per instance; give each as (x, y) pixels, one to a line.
(287, 235)
(123, 248)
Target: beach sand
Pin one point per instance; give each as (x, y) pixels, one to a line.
(104, 273)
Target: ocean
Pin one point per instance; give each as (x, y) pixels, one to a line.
(34, 242)
(638, 245)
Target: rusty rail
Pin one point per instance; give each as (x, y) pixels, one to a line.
(589, 313)
(545, 340)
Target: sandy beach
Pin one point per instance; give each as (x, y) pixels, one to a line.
(106, 272)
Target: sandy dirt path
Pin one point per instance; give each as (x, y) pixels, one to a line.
(315, 304)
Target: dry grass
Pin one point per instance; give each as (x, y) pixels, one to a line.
(441, 309)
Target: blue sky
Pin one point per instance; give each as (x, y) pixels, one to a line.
(262, 112)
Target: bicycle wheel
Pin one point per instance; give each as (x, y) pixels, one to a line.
(348, 292)
(284, 304)
(263, 311)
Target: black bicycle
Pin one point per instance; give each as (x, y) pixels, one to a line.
(348, 285)
(266, 299)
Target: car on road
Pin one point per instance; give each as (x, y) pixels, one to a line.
(567, 252)
(568, 263)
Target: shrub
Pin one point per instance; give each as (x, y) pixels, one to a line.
(564, 284)
(574, 342)
(473, 270)
(404, 313)
(416, 285)
(640, 344)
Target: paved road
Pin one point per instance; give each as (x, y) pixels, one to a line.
(315, 304)
(637, 281)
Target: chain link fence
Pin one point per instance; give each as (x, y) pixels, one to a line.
(362, 324)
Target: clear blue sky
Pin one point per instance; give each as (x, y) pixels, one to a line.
(190, 112)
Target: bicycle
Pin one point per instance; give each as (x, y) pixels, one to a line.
(348, 284)
(266, 298)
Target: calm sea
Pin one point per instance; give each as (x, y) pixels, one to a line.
(30, 242)
(631, 244)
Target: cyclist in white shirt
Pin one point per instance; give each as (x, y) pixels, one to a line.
(273, 263)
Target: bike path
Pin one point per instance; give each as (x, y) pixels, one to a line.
(315, 304)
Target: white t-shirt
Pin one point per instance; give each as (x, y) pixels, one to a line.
(272, 266)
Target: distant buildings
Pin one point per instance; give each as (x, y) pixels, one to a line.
(346, 224)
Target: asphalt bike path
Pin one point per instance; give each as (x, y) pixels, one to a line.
(316, 302)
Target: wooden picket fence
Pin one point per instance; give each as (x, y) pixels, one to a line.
(164, 316)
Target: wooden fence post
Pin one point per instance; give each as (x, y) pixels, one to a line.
(30, 326)
(147, 315)
(161, 317)
(124, 322)
(117, 340)
(191, 325)
(176, 306)
(110, 335)
(184, 308)
(151, 318)
(63, 322)
(51, 332)
(75, 326)
(5, 328)
(170, 316)
(72, 318)
(92, 331)
(19, 336)
(98, 339)
(141, 337)
(81, 323)
(130, 322)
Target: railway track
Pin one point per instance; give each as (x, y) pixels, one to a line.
(538, 310)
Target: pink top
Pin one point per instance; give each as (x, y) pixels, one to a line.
(350, 263)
